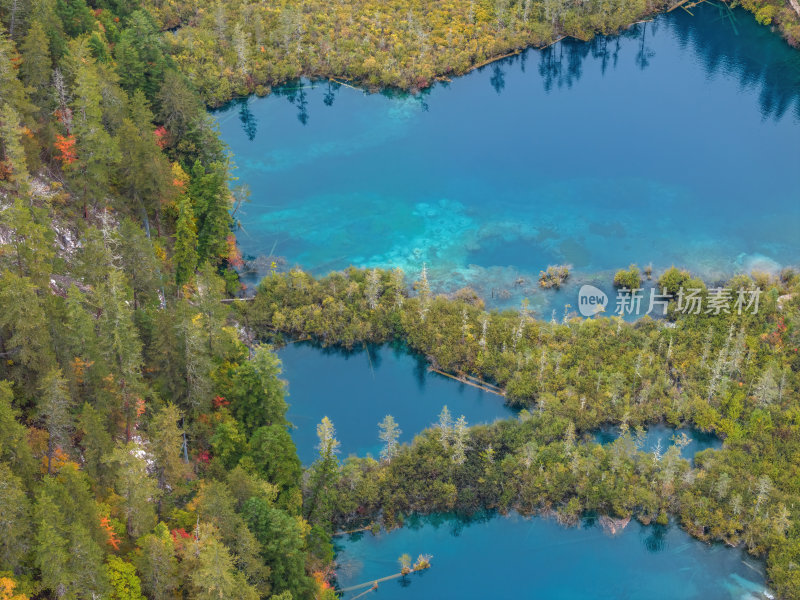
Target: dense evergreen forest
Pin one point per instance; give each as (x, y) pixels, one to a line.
(144, 449)
(144, 446)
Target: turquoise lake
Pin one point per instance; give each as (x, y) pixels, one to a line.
(496, 557)
(356, 390)
(537, 559)
(675, 143)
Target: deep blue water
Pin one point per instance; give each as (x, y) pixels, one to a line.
(356, 390)
(675, 143)
(535, 558)
(661, 436)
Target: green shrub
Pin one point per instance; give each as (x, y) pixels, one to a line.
(673, 279)
(554, 276)
(630, 278)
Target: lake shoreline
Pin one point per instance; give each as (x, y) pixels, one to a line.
(265, 89)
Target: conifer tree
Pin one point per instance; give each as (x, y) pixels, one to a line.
(37, 66)
(98, 153)
(55, 409)
(185, 251)
(13, 165)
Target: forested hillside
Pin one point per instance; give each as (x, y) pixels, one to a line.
(143, 447)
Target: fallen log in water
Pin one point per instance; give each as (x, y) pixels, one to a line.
(481, 385)
(374, 582)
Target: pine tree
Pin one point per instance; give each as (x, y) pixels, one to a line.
(30, 242)
(373, 288)
(140, 263)
(323, 472)
(140, 56)
(257, 394)
(445, 426)
(17, 15)
(212, 205)
(119, 343)
(185, 250)
(389, 432)
(15, 522)
(208, 301)
(66, 554)
(767, 391)
(195, 360)
(274, 454)
(95, 443)
(282, 540)
(166, 441)
(97, 153)
(13, 165)
(25, 332)
(54, 407)
(37, 66)
(157, 565)
(460, 435)
(136, 487)
(14, 447)
(214, 575)
(180, 106)
(12, 91)
(144, 172)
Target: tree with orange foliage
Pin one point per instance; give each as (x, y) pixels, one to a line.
(7, 587)
(113, 538)
(66, 148)
(234, 254)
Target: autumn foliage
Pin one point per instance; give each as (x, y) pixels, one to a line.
(7, 587)
(113, 539)
(66, 148)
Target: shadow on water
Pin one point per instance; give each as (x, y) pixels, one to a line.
(452, 521)
(655, 538)
(738, 46)
(248, 119)
(373, 354)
